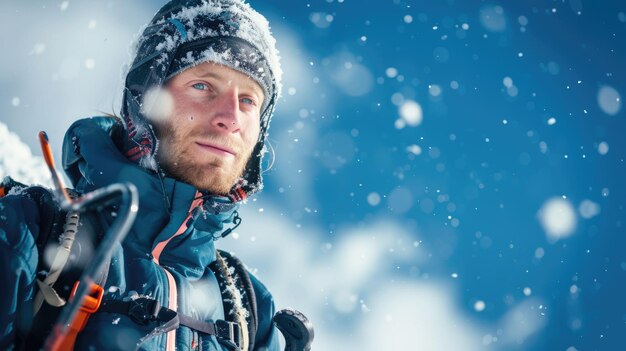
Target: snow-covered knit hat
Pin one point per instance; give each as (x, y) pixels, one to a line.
(185, 33)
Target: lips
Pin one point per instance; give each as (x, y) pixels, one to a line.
(217, 149)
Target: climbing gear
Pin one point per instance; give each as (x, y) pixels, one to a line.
(46, 291)
(236, 307)
(296, 329)
(83, 303)
(144, 310)
(237, 332)
(89, 305)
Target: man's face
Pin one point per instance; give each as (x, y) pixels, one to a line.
(208, 138)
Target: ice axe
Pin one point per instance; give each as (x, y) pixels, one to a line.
(87, 293)
(296, 329)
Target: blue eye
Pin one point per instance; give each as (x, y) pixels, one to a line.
(200, 86)
(247, 101)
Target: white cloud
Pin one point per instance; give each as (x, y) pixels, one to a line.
(522, 321)
(415, 316)
(350, 289)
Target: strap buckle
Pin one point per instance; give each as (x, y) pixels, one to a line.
(144, 310)
(228, 334)
(90, 304)
(92, 300)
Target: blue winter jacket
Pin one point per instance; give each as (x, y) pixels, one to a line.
(165, 255)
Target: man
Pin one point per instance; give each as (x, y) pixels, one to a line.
(197, 103)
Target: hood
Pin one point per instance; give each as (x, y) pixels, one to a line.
(185, 33)
(92, 160)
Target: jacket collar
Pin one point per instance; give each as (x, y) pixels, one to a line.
(92, 160)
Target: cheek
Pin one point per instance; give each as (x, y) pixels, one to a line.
(252, 136)
(182, 121)
(185, 108)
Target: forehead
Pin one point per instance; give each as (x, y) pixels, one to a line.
(221, 72)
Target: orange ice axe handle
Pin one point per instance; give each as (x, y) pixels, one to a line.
(47, 156)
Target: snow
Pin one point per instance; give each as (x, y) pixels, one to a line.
(17, 161)
(588, 209)
(414, 149)
(605, 192)
(434, 90)
(609, 100)
(603, 148)
(391, 72)
(411, 113)
(373, 199)
(479, 305)
(252, 27)
(507, 81)
(492, 18)
(522, 20)
(511, 89)
(558, 218)
(157, 104)
(321, 20)
(397, 99)
(539, 252)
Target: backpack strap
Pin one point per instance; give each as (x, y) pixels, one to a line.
(237, 331)
(144, 310)
(238, 295)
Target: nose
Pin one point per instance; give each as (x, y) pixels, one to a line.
(226, 111)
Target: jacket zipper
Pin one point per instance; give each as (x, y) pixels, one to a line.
(171, 282)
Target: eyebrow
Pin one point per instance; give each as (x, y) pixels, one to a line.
(249, 83)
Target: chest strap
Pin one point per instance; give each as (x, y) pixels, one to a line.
(145, 310)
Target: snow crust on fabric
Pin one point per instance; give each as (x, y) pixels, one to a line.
(250, 26)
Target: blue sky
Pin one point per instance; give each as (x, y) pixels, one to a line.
(448, 174)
